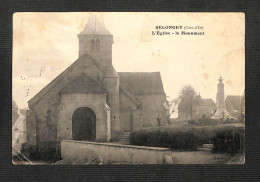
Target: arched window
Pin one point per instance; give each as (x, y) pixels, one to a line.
(92, 44)
(97, 45)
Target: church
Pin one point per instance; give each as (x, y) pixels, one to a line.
(91, 101)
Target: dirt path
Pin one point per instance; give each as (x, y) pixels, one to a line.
(199, 157)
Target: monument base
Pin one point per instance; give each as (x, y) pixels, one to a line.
(221, 113)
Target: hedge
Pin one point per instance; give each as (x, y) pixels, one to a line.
(189, 139)
(229, 141)
(179, 140)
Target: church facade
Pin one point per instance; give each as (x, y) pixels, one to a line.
(90, 100)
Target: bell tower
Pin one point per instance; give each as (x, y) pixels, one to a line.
(96, 41)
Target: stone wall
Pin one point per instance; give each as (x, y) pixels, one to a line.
(114, 152)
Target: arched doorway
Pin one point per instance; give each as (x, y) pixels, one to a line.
(84, 124)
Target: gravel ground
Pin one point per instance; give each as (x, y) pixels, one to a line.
(199, 157)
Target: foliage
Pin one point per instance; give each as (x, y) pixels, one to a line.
(229, 141)
(188, 100)
(187, 90)
(175, 139)
(187, 138)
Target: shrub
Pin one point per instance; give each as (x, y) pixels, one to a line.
(190, 138)
(191, 122)
(178, 140)
(229, 141)
(207, 121)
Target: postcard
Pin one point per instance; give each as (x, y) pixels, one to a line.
(107, 88)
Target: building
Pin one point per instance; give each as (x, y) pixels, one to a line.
(205, 108)
(90, 100)
(15, 114)
(201, 107)
(234, 105)
(19, 131)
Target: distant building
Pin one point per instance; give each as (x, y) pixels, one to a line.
(15, 114)
(200, 108)
(19, 131)
(234, 105)
(205, 108)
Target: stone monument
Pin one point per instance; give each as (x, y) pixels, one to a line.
(221, 112)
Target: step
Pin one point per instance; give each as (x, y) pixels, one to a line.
(123, 140)
(209, 146)
(124, 137)
(204, 149)
(125, 134)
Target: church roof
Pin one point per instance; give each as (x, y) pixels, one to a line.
(95, 26)
(111, 72)
(83, 84)
(141, 82)
(61, 76)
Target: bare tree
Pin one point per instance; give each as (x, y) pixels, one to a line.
(173, 104)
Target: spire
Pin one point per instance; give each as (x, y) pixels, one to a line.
(95, 25)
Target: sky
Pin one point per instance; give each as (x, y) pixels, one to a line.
(45, 44)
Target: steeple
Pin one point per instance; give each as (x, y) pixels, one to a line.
(96, 41)
(95, 26)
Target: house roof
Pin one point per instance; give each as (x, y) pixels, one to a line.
(141, 82)
(206, 102)
(198, 103)
(95, 26)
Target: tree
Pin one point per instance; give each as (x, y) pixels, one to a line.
(188, 100)
(173, 103)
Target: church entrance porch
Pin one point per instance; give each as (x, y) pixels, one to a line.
(84, 124)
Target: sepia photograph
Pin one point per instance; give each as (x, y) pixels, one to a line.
(128, 88)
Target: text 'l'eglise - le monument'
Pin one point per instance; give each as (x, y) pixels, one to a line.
(90, 100)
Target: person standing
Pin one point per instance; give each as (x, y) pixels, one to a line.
(159, 120)
(169, 120)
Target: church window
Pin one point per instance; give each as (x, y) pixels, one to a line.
(92, 44)
(97, 45)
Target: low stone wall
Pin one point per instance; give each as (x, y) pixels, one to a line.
(70, 149)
